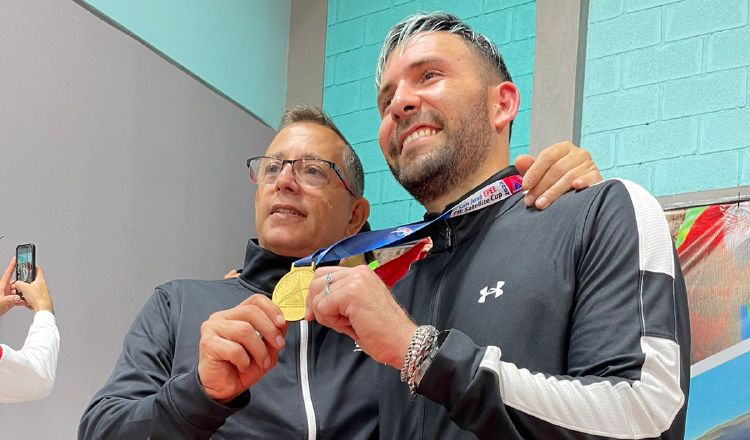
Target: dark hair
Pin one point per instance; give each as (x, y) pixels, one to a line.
(351, 164)
(422, 22)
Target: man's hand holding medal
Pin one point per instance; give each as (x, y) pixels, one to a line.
(238, 346)
(356, 302)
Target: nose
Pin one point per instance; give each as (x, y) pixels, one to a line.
(405, 101)
(286, 179)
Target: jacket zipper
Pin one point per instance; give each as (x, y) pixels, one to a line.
(305, 381)
(441, 284)
(436, 302)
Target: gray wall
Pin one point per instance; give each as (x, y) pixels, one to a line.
(559, 65)
(126, 173)
(307, 52)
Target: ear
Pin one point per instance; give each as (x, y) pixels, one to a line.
(504, 101)
(360, 212)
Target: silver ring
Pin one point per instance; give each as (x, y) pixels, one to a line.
(257, 333)
(326, 291)
(329, 278)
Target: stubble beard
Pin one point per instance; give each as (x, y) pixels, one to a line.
(437, 172)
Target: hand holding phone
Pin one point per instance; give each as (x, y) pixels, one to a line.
(35, 294)
(26, 262)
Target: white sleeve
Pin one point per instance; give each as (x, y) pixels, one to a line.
(29, 373)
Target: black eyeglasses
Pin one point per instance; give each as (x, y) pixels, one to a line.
(264, 170)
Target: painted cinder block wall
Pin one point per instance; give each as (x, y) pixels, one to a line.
(666, 92)
(356, 30)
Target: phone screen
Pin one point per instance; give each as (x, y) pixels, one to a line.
(25, 263)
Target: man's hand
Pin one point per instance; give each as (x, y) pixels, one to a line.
(358, 304)
(239, 346)
(558, 169)
(234, 273)
(35, 294)
(8, 298)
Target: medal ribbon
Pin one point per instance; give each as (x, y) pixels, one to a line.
(492, 193)
(395, 269)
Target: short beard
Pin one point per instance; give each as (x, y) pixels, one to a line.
(447, 166)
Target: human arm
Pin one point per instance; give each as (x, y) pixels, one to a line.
(124, 407)
(142, 397)
(559, 168)
(29, 373)
(625, 374)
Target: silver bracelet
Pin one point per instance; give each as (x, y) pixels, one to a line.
(421, 345)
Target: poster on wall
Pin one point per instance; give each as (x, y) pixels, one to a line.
(713, 245)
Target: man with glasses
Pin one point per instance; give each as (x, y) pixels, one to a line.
(196, 347)
(217, 358)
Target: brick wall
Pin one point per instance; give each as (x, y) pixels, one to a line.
(666, 92)
(356, 29)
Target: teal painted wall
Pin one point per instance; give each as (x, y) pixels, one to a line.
(355, 33)
(238, 46)
(666, 93)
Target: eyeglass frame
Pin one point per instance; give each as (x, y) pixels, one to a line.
(291, 162)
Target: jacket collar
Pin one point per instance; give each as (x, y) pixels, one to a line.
(453, 231)
(505, 172)
(263, 269)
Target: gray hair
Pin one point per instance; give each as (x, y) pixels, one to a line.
(351, 165)
(422, 22)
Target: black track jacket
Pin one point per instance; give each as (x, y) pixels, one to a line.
(566, 323)
(320, 388)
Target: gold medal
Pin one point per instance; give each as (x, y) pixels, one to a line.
(290, 293)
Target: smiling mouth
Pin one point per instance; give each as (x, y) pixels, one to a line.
(287, 211)
(418, 134)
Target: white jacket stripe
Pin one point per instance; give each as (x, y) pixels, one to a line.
(622, 409)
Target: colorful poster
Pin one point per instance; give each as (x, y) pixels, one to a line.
(713, 245)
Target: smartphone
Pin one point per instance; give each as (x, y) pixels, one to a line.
(26, 262)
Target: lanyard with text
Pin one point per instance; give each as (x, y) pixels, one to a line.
(372, 240)
(290, 293)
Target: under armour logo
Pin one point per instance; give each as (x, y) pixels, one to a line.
(497, 291)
